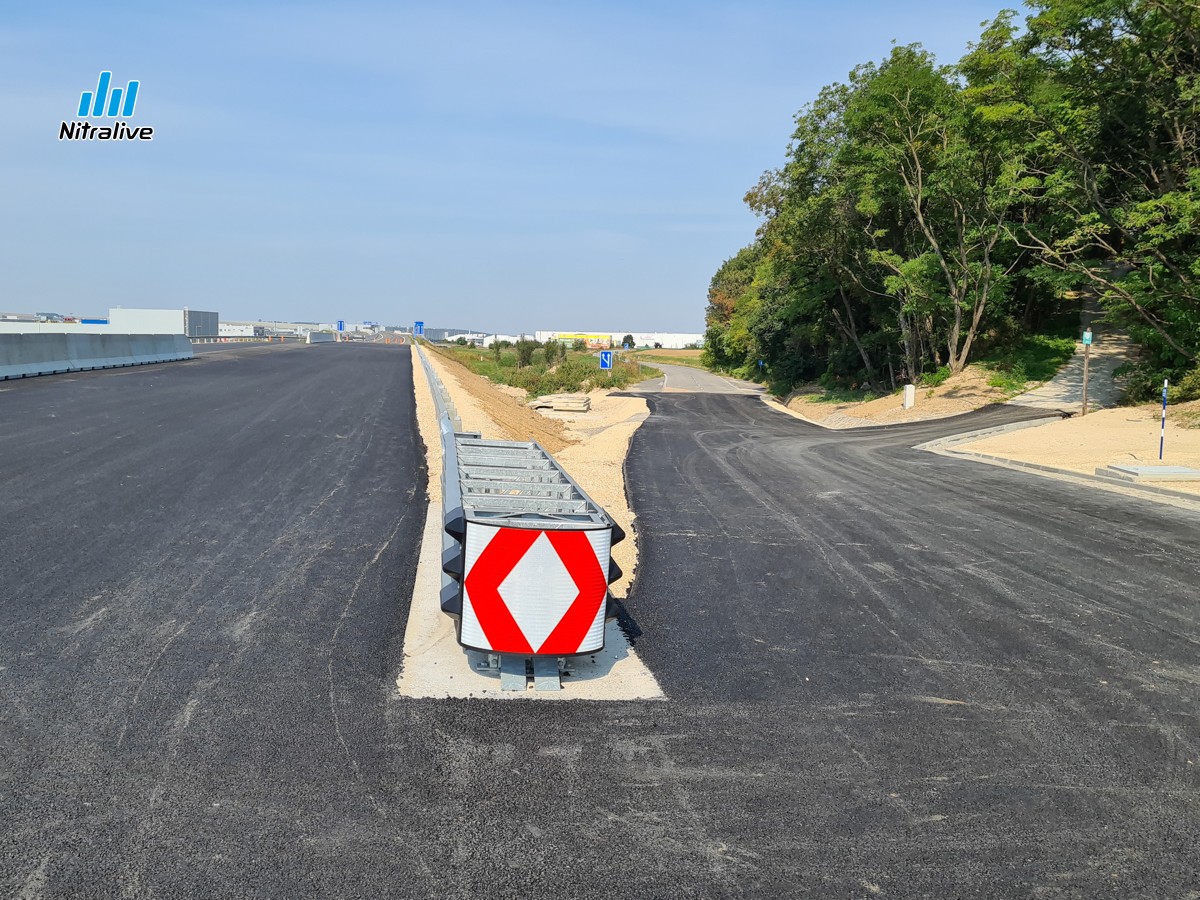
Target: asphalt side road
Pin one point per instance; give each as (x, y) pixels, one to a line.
(925, 677)
(889, 673)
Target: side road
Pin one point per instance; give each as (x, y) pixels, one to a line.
(989, 677)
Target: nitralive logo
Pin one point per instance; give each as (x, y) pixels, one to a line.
(111, 103)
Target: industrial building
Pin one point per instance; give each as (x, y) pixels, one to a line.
(194, 323)
(602, 340)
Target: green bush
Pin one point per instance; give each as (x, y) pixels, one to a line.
(936, 378)
(1012, 380)
(1187, 389)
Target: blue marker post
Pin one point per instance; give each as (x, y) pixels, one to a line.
(1162, 437)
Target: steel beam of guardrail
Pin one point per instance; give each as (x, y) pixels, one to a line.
(526, 554)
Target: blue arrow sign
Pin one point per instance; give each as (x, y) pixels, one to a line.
(341, 325)
(606, 359)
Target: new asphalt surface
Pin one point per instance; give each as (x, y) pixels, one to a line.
(889, 673)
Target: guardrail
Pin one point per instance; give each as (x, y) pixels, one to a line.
(526, 554)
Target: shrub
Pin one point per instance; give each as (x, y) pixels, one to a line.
(1187, 389)
(936, 378)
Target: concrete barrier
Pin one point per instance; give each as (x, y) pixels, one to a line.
(23, 355)
(321, 337)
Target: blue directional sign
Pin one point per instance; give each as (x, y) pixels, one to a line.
(606, 359)
(419, 328)
(341, 325)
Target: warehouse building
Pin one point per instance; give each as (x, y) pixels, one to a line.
(603, 340)
(194, 323)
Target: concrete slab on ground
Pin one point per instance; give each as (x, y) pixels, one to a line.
(435, 666)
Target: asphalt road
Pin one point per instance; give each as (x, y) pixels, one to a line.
(890, 673)
(931, 677)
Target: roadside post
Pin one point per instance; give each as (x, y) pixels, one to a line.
(1162, 435)
(1087, 352)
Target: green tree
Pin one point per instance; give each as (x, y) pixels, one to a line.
(1119, 184)
(525, 352)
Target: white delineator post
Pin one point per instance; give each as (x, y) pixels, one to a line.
(910, 396)
(1162, 435)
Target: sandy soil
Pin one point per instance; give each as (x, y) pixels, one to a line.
(485, 408)
(961, 393)
(591, 446)
(1082, 444)
(427, 423)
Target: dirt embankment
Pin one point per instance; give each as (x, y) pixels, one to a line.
(959, 394)
(495, 413)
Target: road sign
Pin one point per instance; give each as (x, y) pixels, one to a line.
(419, 328)
(531, 591)
(341, 325)
(1087, 337)
(606, 359)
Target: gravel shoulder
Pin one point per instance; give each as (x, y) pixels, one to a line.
(591, 446)
(1127, 435)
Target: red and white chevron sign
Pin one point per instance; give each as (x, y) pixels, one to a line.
(534, 592)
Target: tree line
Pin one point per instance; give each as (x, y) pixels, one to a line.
(928, 213)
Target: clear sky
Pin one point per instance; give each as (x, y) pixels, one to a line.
(498, 166)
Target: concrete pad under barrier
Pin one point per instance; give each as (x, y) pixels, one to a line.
(435, 666)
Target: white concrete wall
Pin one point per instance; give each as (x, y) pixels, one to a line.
(145, 321)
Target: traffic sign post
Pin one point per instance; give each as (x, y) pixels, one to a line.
(418, 329)
(1087, 353)
(606, 359)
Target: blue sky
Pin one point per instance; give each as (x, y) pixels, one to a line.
(495, 166)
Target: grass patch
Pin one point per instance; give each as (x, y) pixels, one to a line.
(1036, 357)
(578, 372)
(839, 395)
(649, 356)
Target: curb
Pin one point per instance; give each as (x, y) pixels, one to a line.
(978, 434)
(944, 447)
(1069, 473)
